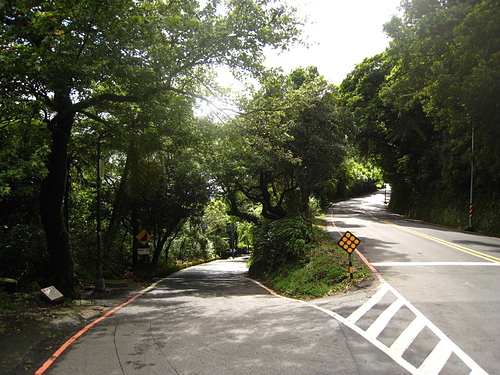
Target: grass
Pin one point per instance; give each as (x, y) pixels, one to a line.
(324, 271)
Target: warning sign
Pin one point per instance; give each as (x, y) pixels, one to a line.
(143, 237)
(349, 242)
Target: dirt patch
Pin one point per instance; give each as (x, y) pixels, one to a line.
(31, 329)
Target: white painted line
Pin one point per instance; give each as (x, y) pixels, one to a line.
(364, 308)
(381, 322)
(404, 340)
(441, 335)
(420, 264)
(396, 350)
(477, 372)
(435, 361)
(398, 359)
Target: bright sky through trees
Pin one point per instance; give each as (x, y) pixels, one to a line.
(341, 33)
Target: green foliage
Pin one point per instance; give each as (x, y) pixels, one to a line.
(290, 140)
(124, 65)
(22, 159)
(23, 254)
(417, 103)
(321, 270)
(321, 276)
(358, 178)
(22, 166)
(191, 244)
(215, 221)
(278, 243)
(315, 207)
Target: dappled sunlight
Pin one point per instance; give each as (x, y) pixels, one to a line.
(244, 329)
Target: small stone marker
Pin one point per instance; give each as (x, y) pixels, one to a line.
(83, 302)
(52, 294)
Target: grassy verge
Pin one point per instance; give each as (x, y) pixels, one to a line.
(323, 271)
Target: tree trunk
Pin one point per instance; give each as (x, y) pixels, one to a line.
(170, 232)
(304, 201)
(121, 206)
(52, 194)
(135, 232)
(158, 247)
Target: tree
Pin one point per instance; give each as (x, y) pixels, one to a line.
(291, 139)
(68, 59)
(22, 166)
(394, 138)
(418, 103)
(179, 192)
(215, 221)
(318, 135)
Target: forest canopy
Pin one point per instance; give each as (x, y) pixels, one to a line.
(422, 104)
(99, 137)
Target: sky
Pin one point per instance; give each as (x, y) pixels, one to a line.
(341, 33)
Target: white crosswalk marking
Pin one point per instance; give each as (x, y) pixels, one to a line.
(384, 318)
(363, 309)
(404, 340)
(433, 363)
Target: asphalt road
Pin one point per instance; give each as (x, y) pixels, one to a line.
(210, 319)
(434, 310)
(451, 277)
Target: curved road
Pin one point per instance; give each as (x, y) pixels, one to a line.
(452, 277)
(433, 310)
(210, 319)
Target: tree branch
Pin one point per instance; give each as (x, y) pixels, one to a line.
(95, 117)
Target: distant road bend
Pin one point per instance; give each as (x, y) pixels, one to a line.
(452, 279)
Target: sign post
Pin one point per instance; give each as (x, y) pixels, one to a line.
(349, 242)
(52, 294)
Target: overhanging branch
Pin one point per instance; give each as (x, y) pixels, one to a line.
(95, 117)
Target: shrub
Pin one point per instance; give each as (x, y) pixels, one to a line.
(278, 243)
(320, 270)
(23, 253)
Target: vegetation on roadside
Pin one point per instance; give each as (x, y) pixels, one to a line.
(87, 85)
(427, 111)
(301, 260)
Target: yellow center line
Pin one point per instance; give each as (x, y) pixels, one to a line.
(446, 243)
